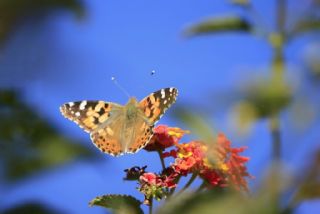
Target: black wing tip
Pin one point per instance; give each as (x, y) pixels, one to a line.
(171, 89)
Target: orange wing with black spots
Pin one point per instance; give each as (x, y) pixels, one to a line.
(141, 137)
(153, 107)
(88, 114)
(108, 137)
(157, 103)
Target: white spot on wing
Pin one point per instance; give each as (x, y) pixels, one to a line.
(71, 104)
(163, 93)
(171, 89)
(77, 114)
(82, 105)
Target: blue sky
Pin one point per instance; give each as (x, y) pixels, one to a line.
(67, 60)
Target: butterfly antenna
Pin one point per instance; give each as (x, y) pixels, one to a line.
(113, 79)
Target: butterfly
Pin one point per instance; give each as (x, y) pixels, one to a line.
(118, 129)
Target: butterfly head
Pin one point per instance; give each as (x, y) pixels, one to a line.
(132, 102)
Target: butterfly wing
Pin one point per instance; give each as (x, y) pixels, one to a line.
(142, 133)
(152, 107)
(88, 114)
(157, 103)
(108, 136)
(102, 119)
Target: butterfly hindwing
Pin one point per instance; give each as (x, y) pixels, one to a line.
(157, 103)
(108, 137)
(87, 114)
(141, 137)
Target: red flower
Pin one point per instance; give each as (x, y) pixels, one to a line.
(228, 160)
(213, 178)
(190, 157)
(170, 175)
(172, 153)
(218, 164)
(170, 181)
(149, 178)
(186, 164)
(164, 137)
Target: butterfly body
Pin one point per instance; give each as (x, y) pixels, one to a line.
(132, 110)
(117, 129)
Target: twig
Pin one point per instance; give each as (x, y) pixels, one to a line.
(202, 186)
(150, 205)
(193, 177)
(161, 159)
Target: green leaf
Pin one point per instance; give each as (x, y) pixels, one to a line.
(219, 25)
(306, 26)
(242, 3)
(118, 203)
(196, 123)
(219, 200)
(29, 143)
(31, 207)
(309, 187)
(268, 96)
(14, 12)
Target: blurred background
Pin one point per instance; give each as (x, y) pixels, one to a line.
(249, 69)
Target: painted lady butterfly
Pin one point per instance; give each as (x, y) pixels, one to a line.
(117, 129)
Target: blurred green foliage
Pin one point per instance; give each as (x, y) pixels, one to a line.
(14, 12)
(196, 123)
(262, 98)
(312, 61)
(214, 201)
(309, 187)
(243, 3)
(28, 142)
(32, 208)
(219, 24)
(119, 204)
(267, 97)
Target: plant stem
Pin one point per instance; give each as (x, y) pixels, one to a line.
(150, 205)
(281, 16)
(278, 69)
(161, 159)
(174, 189)
(193, 177)
(202, 186)
(276, 137)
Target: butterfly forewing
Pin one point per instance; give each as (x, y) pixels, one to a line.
(88, 114)
(158, 102)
